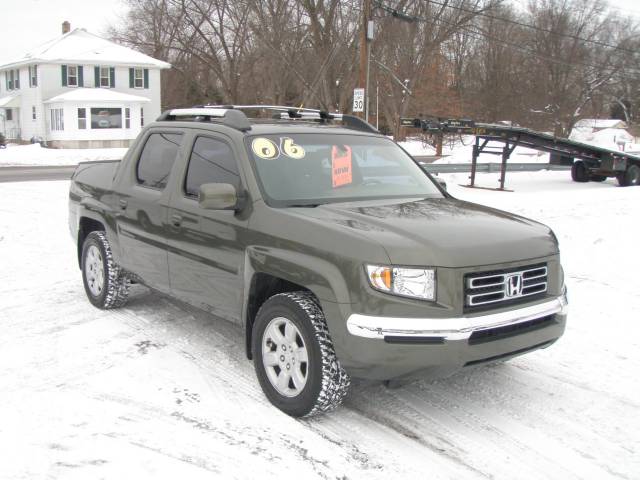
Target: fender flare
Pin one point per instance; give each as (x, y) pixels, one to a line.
(320, 277)
(90, 208)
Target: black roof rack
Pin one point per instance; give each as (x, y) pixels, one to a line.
(234, 116)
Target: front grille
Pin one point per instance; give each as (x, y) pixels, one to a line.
(498, 287)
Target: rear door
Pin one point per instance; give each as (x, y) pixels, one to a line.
(206, 247)
(142, 199)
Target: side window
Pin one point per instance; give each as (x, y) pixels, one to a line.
(212, 161)
(157, 158)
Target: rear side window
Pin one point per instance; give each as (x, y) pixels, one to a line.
(212, 161)
(158, 155)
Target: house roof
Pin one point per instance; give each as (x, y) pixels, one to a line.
(101, 95)
(82, 47)
(10, 101)
(600, 123)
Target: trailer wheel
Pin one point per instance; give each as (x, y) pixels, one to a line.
(597, 178)
(579, 172)
(630, 177)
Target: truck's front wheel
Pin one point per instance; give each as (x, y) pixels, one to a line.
(579, 172)
(104, 282)
(294, 357)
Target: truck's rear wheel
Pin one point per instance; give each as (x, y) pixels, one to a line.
(631, 176)
(579, 172)
(105, 284)
(294, 357)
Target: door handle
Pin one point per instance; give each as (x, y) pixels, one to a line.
(176, 220)
(123, 203)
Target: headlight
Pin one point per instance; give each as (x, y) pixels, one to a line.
(407, 282)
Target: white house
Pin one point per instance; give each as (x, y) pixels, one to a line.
(597, 124)
(79, 91)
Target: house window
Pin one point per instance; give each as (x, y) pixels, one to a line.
(138, 78)
(33, 76)
(8, 114)
(106, 118)
(33, 113)
(57, 119)
(12, 79)
(142, 117)
(82, 119)
(72, 76)
(127, 118)
(105, 77)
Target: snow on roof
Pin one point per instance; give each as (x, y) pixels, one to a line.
(599, 123)
(82, 47)
(95, 95)
(10, 101)
(613, 134)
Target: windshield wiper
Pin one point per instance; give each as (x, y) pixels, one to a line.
(304, 205)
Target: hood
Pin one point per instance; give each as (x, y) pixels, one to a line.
(442, 232)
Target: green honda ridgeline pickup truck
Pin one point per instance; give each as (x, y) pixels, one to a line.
(336, 253)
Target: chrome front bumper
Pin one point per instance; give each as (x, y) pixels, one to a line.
(454, 328)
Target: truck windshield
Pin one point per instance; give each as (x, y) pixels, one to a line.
(317, 168)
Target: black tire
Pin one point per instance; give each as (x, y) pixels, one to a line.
(579, 172)
(115, 284)
(630, 177)
(327, 383)
(597, 178)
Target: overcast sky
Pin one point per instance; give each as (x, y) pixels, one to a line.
(28, 23)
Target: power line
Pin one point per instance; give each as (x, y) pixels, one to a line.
(514, 46)
(533, 27)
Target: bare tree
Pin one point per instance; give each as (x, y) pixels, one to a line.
(544, 67)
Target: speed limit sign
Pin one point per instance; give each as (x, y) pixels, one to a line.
(358, 99)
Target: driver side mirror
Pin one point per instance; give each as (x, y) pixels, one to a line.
(442, 183)
(220, 196)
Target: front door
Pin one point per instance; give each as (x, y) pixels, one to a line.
(206, 246)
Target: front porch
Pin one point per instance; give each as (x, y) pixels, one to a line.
(10, 117)
(94, 118)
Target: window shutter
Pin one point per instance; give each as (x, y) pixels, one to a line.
(16, 84)
(81, 76)
(96, 76)
(6, 81)
(131, 78)
(112, 75)
(64, 75)
(146, 78)
(30, 76)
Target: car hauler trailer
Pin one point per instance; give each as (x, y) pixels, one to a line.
(588, 162)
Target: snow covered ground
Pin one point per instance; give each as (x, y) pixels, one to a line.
(416, 147)
(459, 149)
(160, 390)
(36, 155)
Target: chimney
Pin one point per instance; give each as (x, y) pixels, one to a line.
(66, 27)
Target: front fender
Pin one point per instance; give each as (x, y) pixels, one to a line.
(320, 276)
(323, 278)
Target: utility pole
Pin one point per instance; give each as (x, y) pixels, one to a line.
(364, 54)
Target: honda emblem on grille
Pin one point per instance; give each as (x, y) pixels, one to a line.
(514, 285)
